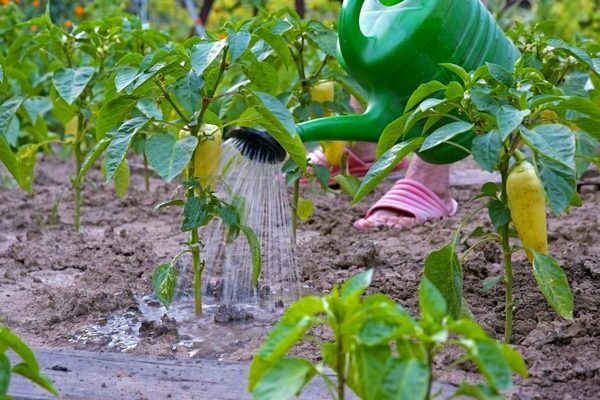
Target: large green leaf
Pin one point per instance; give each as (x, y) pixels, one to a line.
(559, 181)
(508, 119)
(553, 283)
(423, 92)
(169, 156)
(195, 213)
(404, 380)
(188, 91)
(93, 155)
(284, 380)
(8, 109)
(552, 141)
(121, 179)
(164, 282)
(120, 143)
(9, 160)
(356, 286)
(35, 376)
(443, 269)
(125, 77)
(445, 133)
(366, 367)
(254, 245)
(238, 43)
(586, 148)
(70, 82)
(263, 75)
(486, 150)
(431, 302)
(325, 38)
(296, 320)
(9, 339)
(576, 52)
(501, 74)
(37, 107)
(386, 164)
(204, 53)
(5, 371)
(279, 122)
(113, 113)
(514, 360)
(487, 355)
(278, 44)
(392, 133)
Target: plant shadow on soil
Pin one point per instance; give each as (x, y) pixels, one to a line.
(55, 283)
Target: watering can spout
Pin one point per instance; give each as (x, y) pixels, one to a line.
(366, 127)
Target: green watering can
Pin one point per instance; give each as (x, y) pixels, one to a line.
(390, 47)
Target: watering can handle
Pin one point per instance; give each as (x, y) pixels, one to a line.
(352, 41)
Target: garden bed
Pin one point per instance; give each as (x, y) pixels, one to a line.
(55, 284)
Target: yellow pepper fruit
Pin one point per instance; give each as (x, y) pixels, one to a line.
(527, 205)
(71, 126)
(334, 151)
(207, 155)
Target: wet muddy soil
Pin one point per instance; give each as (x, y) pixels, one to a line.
(91, 290)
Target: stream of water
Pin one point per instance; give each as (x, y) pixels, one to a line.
(261, 189)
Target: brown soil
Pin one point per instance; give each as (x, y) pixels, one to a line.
(55, 282)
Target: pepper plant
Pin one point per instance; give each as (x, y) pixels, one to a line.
(28, 367)
(181, 97)
(544, 111)
(378, 350)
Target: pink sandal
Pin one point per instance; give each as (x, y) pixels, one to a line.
(356, 166)
(411, 197)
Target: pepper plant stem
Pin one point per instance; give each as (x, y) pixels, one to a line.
(341, 369)
(508, 272)
(78, 164)
(146, 173)
(296, 199)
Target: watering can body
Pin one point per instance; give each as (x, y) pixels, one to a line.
(390, 49)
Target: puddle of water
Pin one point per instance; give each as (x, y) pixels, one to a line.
(199, 335)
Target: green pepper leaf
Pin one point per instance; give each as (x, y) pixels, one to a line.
(509, 119)
(385, 164)
(169, 156)
(431, 301)
(284, 380)
(195, 213)
(423, 91)
(70, 82)
(296, 320)
(279, 122)
(486, 150)
(164, 282)
(120, 143)
(204, 53)
(553, 283)
(238, 43)
(188, 91)
(445, 133)
(254, 245)
(443, 269)
(559, 181)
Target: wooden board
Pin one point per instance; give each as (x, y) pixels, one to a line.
(107, 376)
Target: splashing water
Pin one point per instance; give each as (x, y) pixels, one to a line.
(260, 187)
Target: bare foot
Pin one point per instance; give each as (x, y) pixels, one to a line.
(434, 177)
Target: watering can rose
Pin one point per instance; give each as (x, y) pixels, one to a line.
(207, 154)
(527, 206)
